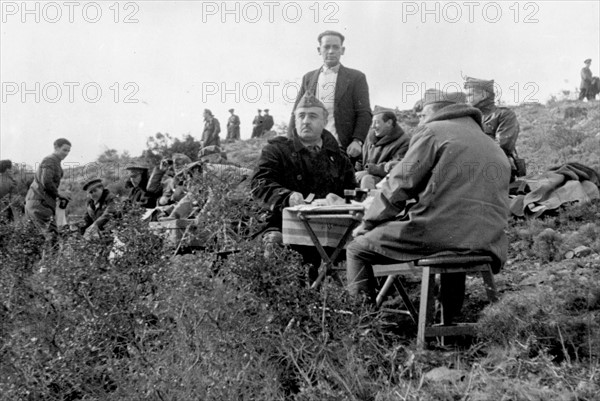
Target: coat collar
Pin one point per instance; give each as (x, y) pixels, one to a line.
(396, 133)
(456, 111)
(329, 142)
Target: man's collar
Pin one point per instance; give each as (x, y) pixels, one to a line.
(325, 69)
(329, 142)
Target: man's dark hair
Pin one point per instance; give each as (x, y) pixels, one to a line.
(60, 142)
(389, 115)
(5, 165)
(332, 33)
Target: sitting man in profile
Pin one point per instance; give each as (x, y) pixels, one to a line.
(166, 178)
(100, 209)
(291, 168)
(499, 123)
(385, 146)
(459, 180)
(210, 170)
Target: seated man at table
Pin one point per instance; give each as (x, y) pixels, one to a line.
(290, 169)
(385, 146)
(459, 179)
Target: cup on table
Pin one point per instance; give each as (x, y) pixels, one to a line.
(349, 194)
(360, 194)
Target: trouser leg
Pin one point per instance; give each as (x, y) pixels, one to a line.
(359, 268)
(42, 216)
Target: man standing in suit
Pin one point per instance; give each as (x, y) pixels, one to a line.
(343, 91)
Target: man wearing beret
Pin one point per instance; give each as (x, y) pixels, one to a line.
(586, 81)
(233, 127)
(500, 123)
(386, 145)
(343, 91)
(100, 208)
(457, 180)
(290, 169)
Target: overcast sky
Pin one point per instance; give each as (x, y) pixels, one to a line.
(108, 75)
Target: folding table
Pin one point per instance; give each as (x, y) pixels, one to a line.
(321, 226)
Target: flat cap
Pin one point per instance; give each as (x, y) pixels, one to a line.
(587, 60)
(231, 110)
(437, 96)
(309, 100)
(487, 85)
(93, 183)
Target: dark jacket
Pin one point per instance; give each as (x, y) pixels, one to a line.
(100, 215)
(500, 124)
(459, 179)
(378, 151)
(210, 134)
(286, 166)
(268, 122)
(145, 199)
(46, 182)
(352, 110)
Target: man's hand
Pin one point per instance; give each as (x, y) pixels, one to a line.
(296, 198)
(354, 149)
(358, 166)
(360, 230)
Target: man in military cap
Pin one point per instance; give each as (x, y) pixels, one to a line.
(499, 123)
(233, 127)
(586, 81)
(257, 125)
(267, 122)
(458, 205)
(100, 208)
(386, 145)
(290, 169)
(343, 91)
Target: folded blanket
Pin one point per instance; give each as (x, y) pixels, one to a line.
(568, 183)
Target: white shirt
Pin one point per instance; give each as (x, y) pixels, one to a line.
(326, 94)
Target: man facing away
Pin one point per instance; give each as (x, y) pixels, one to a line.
(459, 179)
(499, 123)
(386, 145)
(343, 91)
(289, 169)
